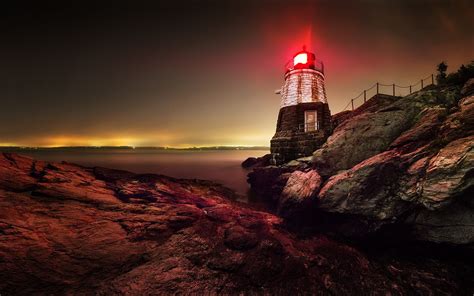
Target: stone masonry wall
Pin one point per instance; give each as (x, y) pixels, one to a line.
(290, 141)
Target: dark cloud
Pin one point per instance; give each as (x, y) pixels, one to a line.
(203, 72)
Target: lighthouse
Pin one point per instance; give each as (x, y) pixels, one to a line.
(304, 119)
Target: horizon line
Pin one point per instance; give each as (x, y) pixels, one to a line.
(137, 147)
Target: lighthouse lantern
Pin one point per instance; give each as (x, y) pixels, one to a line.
(301, 58)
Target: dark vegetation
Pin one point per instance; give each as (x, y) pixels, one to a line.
(463, 74)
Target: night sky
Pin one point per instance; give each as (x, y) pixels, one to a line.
(200, 73)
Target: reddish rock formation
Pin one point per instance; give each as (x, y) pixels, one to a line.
(301, 187)
(66, 229)
(407, 161)
(427, 167)
(448, 173)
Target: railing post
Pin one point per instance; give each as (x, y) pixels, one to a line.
(394, 89)
(352, 102)
(365, 96)
(421, 83)
(410, 89)
(432, 79)
(377, 88)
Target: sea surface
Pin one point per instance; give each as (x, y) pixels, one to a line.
(222, 166)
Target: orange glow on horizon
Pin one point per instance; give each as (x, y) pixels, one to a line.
(245, 139)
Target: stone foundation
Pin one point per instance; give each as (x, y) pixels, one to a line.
(290, 140)
(297, 145)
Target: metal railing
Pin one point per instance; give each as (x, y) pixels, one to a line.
(393, 90)
(309, 127)
(318, 66)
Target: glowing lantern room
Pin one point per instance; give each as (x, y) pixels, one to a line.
(305, 60)
(301, 58)
(304, 117)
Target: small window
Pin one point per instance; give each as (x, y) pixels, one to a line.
(310, 120)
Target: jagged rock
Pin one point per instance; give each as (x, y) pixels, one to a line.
(383, 187)
(453, 224)
(359, 138)
(254, 162)
(299, 163)
(371, 132)
(238, 238)
(410, 182)
(338, 118)
(15, 172)
(457, 125)
(120, 233)
(393, 183)
(267, 183)
(468, 88)
(424, 130)
(449, 173)
(420, 176)
(367, 189)
(297, 193)
(465, 103)
(374, 104)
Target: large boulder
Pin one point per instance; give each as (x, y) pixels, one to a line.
(436, 189)
(451, 224)
(449, 174)
(424, 171)
(267, 183)
(375, 103)
(359, 138)
(373, 131)
(458, 124)
(391, 183)
(423, 130)
(254, 162)
(16, 172)
(298, 192)
(367, 189)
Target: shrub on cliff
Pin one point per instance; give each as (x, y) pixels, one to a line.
(463, 74)
(441, 76)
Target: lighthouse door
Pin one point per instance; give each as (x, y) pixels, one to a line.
(310, 120)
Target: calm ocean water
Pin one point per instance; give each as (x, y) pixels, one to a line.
(222, 166)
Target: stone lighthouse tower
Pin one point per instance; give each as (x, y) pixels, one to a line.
(304, 119)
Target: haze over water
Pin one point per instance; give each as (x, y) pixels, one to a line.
(222, 166)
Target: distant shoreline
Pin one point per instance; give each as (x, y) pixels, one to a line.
(78, 148)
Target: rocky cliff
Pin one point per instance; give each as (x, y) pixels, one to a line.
(66, 229)
(406, 162)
